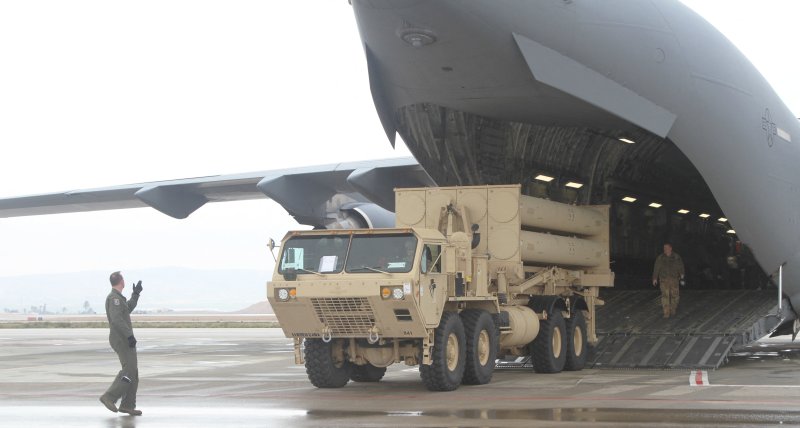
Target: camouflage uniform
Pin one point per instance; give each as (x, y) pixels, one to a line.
(118, 312)
(668, 270)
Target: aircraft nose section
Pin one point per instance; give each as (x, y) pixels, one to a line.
(438, 51)
(411, 21)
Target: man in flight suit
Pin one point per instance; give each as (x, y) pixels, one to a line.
(668, 271)
(118, 312)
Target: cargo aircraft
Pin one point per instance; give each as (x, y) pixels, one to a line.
(642, 105)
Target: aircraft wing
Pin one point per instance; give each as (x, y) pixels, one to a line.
(352, 194)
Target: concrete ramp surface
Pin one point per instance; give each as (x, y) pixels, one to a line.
(709, 323)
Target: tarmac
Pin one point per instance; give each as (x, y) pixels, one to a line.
(247, 378)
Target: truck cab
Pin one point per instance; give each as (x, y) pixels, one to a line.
(362, 283)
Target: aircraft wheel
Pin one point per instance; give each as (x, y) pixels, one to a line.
(326, 364)
(448, 355)
(367, 373)
(481, 346)
(577, 342)
(549, 347)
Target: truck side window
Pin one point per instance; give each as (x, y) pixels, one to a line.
(293, 258)
(431, 259)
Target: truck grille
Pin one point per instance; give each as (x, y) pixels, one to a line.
(345, 316)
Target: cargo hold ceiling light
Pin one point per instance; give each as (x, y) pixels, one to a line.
(722, 219)
(627, 141)
(704, 215)
(574, 185)
(683, 211)
(655, 205)
(629, 199)
(545, 178)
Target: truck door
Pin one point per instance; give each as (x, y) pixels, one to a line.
(432, 284)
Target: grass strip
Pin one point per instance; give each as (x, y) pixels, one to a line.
(141, 324)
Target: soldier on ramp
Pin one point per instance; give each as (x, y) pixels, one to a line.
(668, 272)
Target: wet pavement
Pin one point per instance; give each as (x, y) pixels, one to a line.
(246, 378)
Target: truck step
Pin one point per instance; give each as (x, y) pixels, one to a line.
(514, 363)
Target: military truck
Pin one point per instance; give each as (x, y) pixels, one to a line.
(468, 275)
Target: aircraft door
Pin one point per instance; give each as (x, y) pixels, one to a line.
(432, 284)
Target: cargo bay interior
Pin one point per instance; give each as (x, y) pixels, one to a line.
(655, 194)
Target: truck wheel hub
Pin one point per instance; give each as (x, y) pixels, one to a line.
(556, 343)
(483, 348)
(452, 352)
(577, 341)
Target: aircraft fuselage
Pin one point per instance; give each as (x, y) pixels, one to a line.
(575, 76)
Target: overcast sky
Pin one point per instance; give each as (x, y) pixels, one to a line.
(97, 93)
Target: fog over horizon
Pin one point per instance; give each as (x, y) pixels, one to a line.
(165, 289)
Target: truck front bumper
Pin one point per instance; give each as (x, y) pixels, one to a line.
(350, 310)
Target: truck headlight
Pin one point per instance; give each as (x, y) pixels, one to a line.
(285, 294)
(395, 293)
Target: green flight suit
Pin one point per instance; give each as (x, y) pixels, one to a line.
(668, 270)
(118, 312)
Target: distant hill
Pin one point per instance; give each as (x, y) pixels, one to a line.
(259, 308)
(165, 288)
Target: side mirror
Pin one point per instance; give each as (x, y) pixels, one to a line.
(271, 246)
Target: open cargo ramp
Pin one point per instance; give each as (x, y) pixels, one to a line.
(709, 323)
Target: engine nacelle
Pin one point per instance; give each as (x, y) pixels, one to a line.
(360, 215)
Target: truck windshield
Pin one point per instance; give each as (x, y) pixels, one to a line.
(381, 253)
(315, 254)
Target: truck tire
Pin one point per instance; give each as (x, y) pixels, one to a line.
(367, 373)
(448, 355)
(577, 342)
(481, 346)
(549, 348)
(322, 370)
